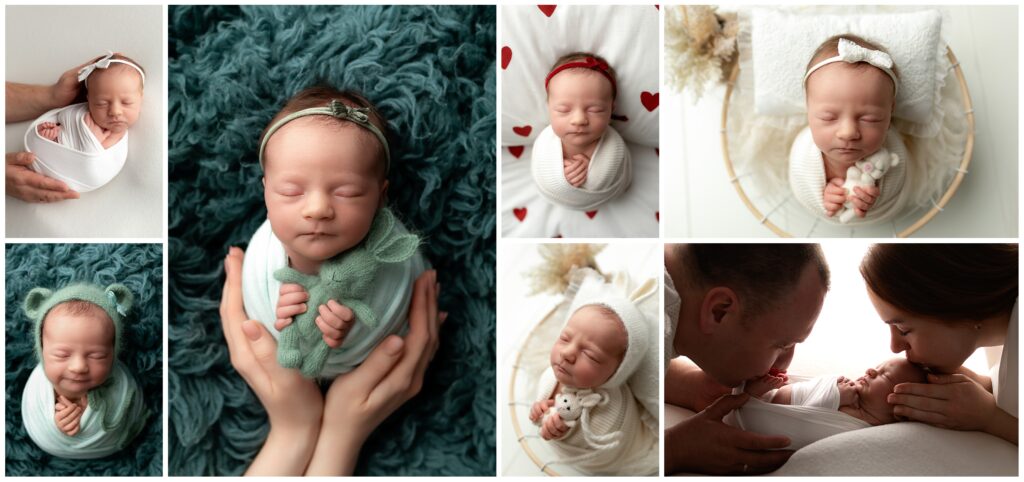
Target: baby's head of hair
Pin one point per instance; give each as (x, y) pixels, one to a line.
(830, 48)
(322, 96)
(582, 57)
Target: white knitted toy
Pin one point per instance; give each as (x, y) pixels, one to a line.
(568, 407)
(865, 173)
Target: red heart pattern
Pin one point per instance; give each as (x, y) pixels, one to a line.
(506, 57)
(591, 214)
(547, 9)
(520, 213)
(649, 100)
(516, 151)
(523, 130)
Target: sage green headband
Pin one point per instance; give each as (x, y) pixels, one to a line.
(338, 110)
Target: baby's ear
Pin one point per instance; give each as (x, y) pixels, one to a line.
(122, 297)
(35, 301)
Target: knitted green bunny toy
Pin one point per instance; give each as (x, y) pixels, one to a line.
(346, 278)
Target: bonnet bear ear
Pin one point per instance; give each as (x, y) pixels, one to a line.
(35, 301)
(121, 296)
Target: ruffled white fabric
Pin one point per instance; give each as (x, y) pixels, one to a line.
(609, 175)
(807, 178)
(114, 415)
(390, 300)
(79, 158)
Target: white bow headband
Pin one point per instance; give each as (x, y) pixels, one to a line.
(104, 63)
(852, 53)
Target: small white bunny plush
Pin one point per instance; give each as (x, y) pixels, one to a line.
(865, 173)
(569, 407)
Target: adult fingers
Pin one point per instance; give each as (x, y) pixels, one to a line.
(725, 404)
(375, 370)
(910, 413)
(43, 183)
(942, 379)
(940, 392)
(406, 376)
(918, 402)
(20, 158)
(760, 462)
(263, 350)
(755, 441)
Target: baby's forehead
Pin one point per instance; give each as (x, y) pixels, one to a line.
(75, 313)
(596, 320)
(296, 133)
(577, 79)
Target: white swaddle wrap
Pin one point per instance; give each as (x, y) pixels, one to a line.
(820, 392)
(610, 437)
(114, 415)
(390, 300)
(802, 424)
(807, 180)
(79, 159)
(609, 174)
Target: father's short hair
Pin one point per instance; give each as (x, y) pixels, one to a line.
(761, 274)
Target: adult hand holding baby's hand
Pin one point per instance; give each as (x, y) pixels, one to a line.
(553, 427)
(293, 403)
(863, 198)
(358, 401)
(705, 444)
(834, 196)
(30, 186)
(576, 169)
(539, 408)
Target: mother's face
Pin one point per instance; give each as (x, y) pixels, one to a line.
(939, 346)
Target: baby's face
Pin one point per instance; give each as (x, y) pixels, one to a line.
(580, 106)
(589, 349)
(322, 186)
(849, 110)
(877, 383)
(115, 98)
(78, 350)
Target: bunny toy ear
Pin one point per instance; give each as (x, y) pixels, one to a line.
(35, 300)
(121, 296)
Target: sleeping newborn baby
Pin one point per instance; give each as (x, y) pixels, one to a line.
(850, 145)
(113, 86)
(332, 268)
(863, 398)
(585, 408)
(579, 161)
(80, 402)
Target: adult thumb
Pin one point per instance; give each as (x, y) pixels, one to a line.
(725, 404)
(264, 347)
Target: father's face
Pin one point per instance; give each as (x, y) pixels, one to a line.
(750, 346)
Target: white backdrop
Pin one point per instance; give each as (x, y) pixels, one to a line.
(44, 42)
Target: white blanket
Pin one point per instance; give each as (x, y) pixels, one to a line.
(802, 424)
(79, 159)
(822, 392)
(390, 300)
(114, 415)
(807, 179)
(608, 176)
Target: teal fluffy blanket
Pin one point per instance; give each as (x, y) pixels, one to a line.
(140, 268)
(430, 70)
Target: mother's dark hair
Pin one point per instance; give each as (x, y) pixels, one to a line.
(948, 282)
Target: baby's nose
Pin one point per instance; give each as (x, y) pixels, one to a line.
(872, 372)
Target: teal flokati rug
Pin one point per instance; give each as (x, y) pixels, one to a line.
(430, 70)
(140, 268)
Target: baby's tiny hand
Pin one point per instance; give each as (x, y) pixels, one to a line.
(553, 427)
(292, 302)
(847, 391)
(760, 386)
(49, 130)
(834, 196)
(863, 198)
(538, 409)
(575, 169)
(334, 321)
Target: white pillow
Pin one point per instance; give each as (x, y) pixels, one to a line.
(534, 37)
(784, 42)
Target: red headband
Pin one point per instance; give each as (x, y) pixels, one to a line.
(591, 63)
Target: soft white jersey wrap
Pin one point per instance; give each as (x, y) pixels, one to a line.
(78, 159)
(609, 174)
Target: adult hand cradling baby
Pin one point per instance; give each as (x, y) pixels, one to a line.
(311, 434)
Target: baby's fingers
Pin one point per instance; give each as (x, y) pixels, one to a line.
(292, 298)
(288, 311)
